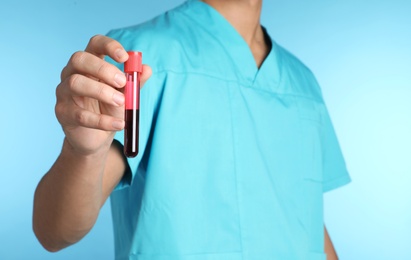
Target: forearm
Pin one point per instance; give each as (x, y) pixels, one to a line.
(68, 199)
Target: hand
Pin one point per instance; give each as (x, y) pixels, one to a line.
(90, 104)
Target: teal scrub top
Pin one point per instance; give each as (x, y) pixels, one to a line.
(233, 159)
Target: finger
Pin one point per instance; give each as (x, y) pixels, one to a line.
(87, 64)
(90, 119)
(101, 46)
(70, 115)
(145, 74)
(82, 86)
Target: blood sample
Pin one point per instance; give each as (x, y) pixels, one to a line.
(132, 68)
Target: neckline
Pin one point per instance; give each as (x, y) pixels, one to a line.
(232, 42)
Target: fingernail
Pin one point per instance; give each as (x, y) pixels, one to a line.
(117, 124)
(121, 54)
(120, 79)
(118, 98)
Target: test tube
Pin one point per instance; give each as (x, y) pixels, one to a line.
(132, 68)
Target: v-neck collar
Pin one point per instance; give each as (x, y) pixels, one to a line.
(233, 43)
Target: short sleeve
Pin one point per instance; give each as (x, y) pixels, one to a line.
(335, 172)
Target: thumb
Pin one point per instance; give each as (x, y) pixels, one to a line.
(145, 75)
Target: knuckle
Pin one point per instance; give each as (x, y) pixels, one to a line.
(63, 73)
(77, 58)
(95, 39)
(73, 81)
(100, 91)
(61, 92)
(58, 110)
(111, 44)
(80, 117)
(102, 69)
(57, 92)
(100, 122)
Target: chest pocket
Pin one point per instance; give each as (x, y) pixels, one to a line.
(310, 132)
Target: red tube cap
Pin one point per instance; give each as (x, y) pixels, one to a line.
(134, 62)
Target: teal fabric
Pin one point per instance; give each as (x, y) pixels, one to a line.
(233, 159)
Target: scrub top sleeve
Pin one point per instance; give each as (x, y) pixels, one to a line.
(335, 172)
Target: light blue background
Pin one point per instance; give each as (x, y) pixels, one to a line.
(360, 52)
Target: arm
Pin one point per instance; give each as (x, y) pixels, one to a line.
(90, 108)
(69, 197)
(328, 246)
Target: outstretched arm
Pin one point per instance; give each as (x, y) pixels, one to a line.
(90, 109)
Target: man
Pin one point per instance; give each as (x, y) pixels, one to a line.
(236, 146)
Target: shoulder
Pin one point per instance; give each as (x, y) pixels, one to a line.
(164, 40)
(158, 28)
(296, 75)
